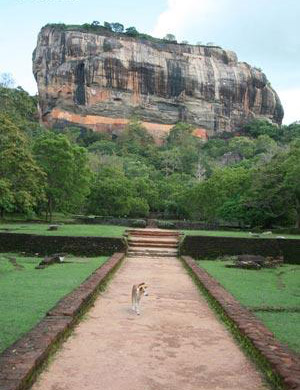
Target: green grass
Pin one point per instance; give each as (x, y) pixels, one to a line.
(265, 292)
(64, 230)
(244, 234)
(26, 295)
(285, 327)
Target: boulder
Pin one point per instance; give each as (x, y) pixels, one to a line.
(98, 80)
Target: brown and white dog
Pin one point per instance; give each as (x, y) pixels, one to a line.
(137, 291)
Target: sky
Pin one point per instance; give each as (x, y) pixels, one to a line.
(263, 33)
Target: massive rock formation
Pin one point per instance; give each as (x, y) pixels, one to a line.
(99, 80)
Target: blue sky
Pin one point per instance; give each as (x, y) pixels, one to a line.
(263, 33)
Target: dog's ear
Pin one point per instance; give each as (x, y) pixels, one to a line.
(142, 284)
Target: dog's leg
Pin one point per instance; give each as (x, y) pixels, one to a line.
(133, 299)
(137, 307)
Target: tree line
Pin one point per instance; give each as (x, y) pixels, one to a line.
(252, 178)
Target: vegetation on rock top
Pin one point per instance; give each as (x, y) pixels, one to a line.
(118, 29)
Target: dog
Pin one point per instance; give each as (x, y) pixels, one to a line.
(137, 291)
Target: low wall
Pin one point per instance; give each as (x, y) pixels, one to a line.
(45, 245)
(213, 247)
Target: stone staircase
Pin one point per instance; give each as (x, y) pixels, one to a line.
(152, 242)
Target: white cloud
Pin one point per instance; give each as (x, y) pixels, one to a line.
(181, 13)
(290, 99)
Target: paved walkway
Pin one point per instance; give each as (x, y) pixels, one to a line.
(176, 342)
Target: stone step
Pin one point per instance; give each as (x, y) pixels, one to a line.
(151, 254)
(152, 251)
(152, 240)
(153, 244)
(152, 232)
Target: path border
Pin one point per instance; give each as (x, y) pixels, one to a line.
(21, 363)
(280, 365)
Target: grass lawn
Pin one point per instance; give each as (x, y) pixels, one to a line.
(244, 234)
(64, 230)
(27, 294)
(266, 292)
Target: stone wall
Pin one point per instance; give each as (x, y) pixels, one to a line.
(214, 247)
(45, 245)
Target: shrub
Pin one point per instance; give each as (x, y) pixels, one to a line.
(166, 225)
(138, 223)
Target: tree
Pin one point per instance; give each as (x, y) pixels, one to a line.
(108, 26)
(262, 127)
(208, 197)
(170, 37)
(135, 139)
(290, 132)
(291, 167)
(242, 146)
(117, 27)
(6, 80)
(21, 108)
(110, 193)
(67, 172)
(21, 180)
(132, 32)
(95, 23)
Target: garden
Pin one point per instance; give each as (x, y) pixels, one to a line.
(273, 295)
(28, 293)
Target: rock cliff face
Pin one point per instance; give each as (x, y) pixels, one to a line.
(99, 80)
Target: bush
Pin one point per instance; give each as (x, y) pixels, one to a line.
(257, 229)
(166, 225)
(138, 207)
(138, 223)
(287, 230)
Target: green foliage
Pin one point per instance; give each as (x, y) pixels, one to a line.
(132, 32)
(262, 127)
(138, 223)
(135, 139)
(95, 23)
(242, 146)
(252, 178)
(112, 194)
(68, 175)
(108, 26)
(170, 38)
(213, 197)
(22, 181)
(165, 225)
(117, 27)
(21, 109)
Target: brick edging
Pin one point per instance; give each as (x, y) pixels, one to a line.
(281, 359)
(20, 362)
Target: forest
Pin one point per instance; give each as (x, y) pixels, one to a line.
(250, 177)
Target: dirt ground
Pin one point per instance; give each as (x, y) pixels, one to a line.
(176, 342)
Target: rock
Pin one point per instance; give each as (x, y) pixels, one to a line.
(251, 258)
(273, 262)
(254, 234)
(52, 259)
(99, 80)
(53, 227)
(256, 262)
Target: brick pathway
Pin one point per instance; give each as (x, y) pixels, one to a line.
(176, 342)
